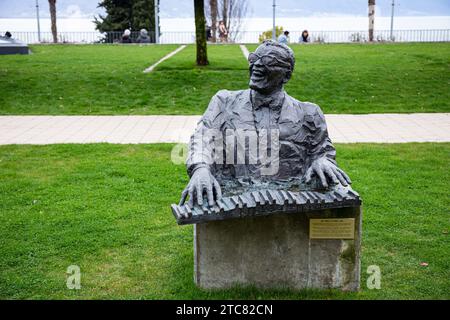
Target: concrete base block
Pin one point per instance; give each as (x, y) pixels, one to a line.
(276, 252)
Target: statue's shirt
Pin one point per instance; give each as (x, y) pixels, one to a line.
(267, 111)
(299, 127)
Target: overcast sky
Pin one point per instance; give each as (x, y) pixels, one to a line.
(258, 8)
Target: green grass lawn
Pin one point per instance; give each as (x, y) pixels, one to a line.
(108, 79)
(77, 79)
(106, 209)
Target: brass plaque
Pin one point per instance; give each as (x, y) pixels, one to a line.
(332, 228)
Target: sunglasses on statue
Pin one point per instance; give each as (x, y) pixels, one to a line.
(267, 60)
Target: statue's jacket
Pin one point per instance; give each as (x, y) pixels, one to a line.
(300, 126)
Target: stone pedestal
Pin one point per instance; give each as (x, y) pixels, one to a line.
(276, 251)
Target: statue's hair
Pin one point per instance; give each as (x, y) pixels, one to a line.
(290, 53)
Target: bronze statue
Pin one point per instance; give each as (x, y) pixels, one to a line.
(291, 136)
(263, 161)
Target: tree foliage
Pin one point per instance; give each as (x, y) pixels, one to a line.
(267, 35)
(126, 14)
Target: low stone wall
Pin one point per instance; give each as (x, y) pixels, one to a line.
(277, 251)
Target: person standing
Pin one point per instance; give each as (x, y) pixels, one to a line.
(208, 33)
(223, 32)
(143, 37)
(126, 37)
(284, 38)
(305, 37)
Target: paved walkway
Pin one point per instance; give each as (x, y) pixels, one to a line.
(171, 54)
(377, 128)
(245, 51)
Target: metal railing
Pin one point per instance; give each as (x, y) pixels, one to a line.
(358, 36)
(441, 35)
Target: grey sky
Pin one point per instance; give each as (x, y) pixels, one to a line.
(259, 8)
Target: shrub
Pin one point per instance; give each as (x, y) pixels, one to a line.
(268, 34)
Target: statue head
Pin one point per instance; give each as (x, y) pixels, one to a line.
(271, 66)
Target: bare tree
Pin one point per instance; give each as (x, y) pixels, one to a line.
(237, 10)
(200, 32)
(371, 19)
(52, 5)
(213, 16)
(225, 4)
(231, 12)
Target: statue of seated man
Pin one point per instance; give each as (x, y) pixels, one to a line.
(294, 133)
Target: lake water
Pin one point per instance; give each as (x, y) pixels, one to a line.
(181, 30)
(346, 23)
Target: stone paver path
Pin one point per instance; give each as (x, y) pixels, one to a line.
(171, 54)
(375, 128)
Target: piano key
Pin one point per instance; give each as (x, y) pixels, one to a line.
(302, 197)
(294, 196)
(229, 204)
(188, 211)
(320, 196)
(176, 210)
(250, 203)
(314, 197)
(308, 197)
(353, 193)
(205, 208)
(338, 196)
(221, 204)
(197, 211)
(272, 196)
(215, 209)
(342, 193)
(183, 212)
(264, 196)
(257, 198)
(282, 196)
(242, 201)
(329, 198)
(279, 198)
(286, 198)
(236, 202)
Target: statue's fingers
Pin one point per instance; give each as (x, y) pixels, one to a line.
(330, 173)
(184, 195)
(346, 177)
(322, 178)
(308, 175)
(191, 196)
(210, 194)
(218, 190)
(199, 191)
(340, 177)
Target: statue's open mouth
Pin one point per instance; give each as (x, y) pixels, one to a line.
(258, 74)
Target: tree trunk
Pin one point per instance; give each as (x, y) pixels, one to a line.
(200, 32)
(52, 5)
(225, 7)
(371, 19)
(213, 7)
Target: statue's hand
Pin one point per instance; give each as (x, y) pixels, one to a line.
(202, 181)
(327, 172)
